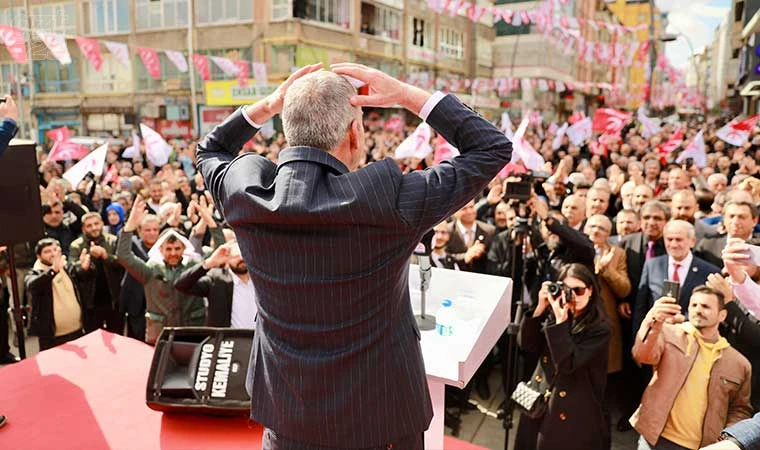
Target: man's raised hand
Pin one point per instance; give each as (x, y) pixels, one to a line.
(384, 90)
(136, 215)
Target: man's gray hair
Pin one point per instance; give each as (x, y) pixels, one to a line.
(683, 225)
(657, 206)
(317, 111)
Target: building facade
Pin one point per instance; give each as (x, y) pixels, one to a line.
(396, 36)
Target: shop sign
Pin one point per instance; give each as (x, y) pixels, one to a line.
(211, 116)
(229, 92)
(174, 128)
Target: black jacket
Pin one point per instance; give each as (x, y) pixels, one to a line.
(39, 285)
(576, 366)
(742, 330)
(110, 267)
(544, 265)
(132, 298)
(216, 285)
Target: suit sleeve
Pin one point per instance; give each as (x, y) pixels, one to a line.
(578, 244)
(134, 265)
(221, 146)
(194, 281)
(8, 129)
(641, 307)
(617, 278)
(746, 432)
(426, 197)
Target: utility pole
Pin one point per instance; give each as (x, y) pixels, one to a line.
(191, 71)
(652, 57)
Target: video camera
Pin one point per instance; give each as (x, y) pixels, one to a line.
(523, 189)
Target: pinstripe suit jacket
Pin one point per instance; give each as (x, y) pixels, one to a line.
(336, 359)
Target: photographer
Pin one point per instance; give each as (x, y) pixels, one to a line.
(570, 333)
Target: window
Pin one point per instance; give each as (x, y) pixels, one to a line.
(282, 9)
(381, 21)
(506, 29)
(50, 76)
(452, 43)
(283, 58)
(420, 35)
(161, 13)
(56, 18)
(221, 11)
(109, 16)
(336, 12)
(13, 16)
(113, 77)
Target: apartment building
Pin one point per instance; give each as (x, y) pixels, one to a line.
(396, 36)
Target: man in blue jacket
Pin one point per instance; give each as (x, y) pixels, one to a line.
(8, 127)
(336, 359)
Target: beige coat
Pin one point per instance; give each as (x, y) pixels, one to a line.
(728, 390)
(615, 286)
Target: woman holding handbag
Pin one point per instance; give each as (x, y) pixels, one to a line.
(561, 404)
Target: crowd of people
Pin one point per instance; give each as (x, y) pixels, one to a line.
(620, 348)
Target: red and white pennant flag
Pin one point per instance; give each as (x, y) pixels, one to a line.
(737, 132)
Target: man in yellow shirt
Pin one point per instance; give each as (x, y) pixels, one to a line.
(700, 383)
(56, 307)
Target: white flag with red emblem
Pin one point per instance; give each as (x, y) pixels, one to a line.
(178, 59)
(737, 132)
(133, 151)
(93, 163)
(649, 126)
(228, 67)
(580, 131)
(673, 143)
(120, 52)
(443, 150)
(557, 142)
(56, 43)
(157, 150)
(609, 121)
(523, 151)
(417, 145)
(696, 151)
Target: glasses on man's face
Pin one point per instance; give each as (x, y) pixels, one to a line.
(599, 227)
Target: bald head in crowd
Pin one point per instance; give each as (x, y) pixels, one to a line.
(626, 194)
(574, 210)
(597, 201)
(717, 182)
(642, 194)
(678, 179)
(684, 205)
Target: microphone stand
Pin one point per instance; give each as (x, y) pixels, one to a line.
(425, 321)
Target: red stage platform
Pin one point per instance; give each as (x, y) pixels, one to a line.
(90, 394)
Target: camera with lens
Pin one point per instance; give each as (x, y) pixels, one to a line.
(557, 288)
(523, 189)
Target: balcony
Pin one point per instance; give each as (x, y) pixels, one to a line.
(57, 86)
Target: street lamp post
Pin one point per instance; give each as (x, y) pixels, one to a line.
(652, 57)
(674, 37)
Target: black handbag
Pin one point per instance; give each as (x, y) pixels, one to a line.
(532, 396)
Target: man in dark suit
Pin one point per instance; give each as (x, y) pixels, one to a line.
(678, 265)
(224, 280)
(469, 239)
(739, 220)
(639, 247)
(336, 359)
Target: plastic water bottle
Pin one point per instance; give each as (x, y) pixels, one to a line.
(445, 318)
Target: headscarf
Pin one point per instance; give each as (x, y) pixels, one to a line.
(115, 229)
(156, 257)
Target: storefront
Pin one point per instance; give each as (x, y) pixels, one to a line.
(224, 96)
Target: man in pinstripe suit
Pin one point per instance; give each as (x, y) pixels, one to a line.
(336, 361)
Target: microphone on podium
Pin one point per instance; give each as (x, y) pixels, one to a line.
(424, 248)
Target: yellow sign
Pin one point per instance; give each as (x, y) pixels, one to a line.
(229, 92)
(306, 55)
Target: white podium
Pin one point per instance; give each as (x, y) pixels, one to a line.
(482, 305)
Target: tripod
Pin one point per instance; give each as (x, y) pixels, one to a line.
(510, 370)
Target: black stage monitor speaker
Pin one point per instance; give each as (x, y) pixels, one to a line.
(200, 370)
(20, 210)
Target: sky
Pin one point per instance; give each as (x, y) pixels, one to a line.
(697, 19)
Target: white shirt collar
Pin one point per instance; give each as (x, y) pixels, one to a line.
(463, 231)
(686, 262)
(236, 280)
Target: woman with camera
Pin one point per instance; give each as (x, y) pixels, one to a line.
(570, 333)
